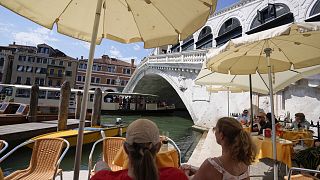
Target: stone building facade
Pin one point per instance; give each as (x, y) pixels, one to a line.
(41, 65)
(109, 74)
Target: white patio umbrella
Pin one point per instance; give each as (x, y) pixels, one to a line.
(155, 23)
(293, 46)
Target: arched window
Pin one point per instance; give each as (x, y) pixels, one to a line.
(188, 44)
(205, 38)
(229, 30)
(271, 16)
(314, 13)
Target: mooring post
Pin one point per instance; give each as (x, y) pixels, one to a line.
(64, 106)
(96, 109)
(78, 105)
(32, 114)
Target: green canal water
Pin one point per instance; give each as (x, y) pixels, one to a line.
(177, 124)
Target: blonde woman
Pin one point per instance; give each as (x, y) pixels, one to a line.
(238, 152)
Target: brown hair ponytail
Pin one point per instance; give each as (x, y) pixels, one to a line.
(240, 143)
(142, 159)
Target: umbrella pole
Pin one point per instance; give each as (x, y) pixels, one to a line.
(77, 161)
(274, 147)
(228, 102)
(251, 104)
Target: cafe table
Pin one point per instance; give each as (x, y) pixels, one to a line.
(295, 135)
(166, 157)
(264, 149)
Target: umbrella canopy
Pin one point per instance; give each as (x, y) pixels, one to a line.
(293, 46)
(259, 81)
(155, 23)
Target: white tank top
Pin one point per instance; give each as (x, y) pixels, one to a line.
(226, 175)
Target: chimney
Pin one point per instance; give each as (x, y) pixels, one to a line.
(132, 62)
(14, 43)
(81, 57)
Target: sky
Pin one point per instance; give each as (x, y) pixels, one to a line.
(14, 28)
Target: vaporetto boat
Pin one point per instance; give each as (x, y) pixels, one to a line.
(111, 101)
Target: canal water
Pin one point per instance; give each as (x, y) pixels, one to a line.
(177, 124)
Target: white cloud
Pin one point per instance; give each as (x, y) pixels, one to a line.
(5, 28)
(114, 52)
(34, 37)
(83, 44)
(136, 47)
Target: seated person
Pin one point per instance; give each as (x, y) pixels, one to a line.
(300, 122)
(263, 122)
(238, 152)
(142, 144)
(244, 117)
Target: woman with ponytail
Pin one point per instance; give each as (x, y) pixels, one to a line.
(142, 144)
(238, 152)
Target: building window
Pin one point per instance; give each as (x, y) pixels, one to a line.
(229, 30)
(20, 68)
(51, 71)
(126, 71)
(99, 68)
(69, 64)
(31, 59)
(37, 81)
(49, 82)
(58, 83)
(60, 73)
(92, 79)
(18, 80)
(68, 73)
(1, 61)
(42, 82)
(29, 69)
(28, 81)
(39, 60)
(111, 69)
(53, 62)
(79, 78)
(83, 78)
(60, 63)
(97, 80)
(45, 61)
(272, 16)
(22, 58)
(94, 67)
(204, 39)
(123, 82)
(108, 81)
(80, 66)
(43, 71)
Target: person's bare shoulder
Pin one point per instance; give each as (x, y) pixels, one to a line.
(206, 172)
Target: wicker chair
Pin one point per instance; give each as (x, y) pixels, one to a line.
(3, 146)
(45, 159)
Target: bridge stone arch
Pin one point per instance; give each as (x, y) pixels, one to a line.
(157, 81)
